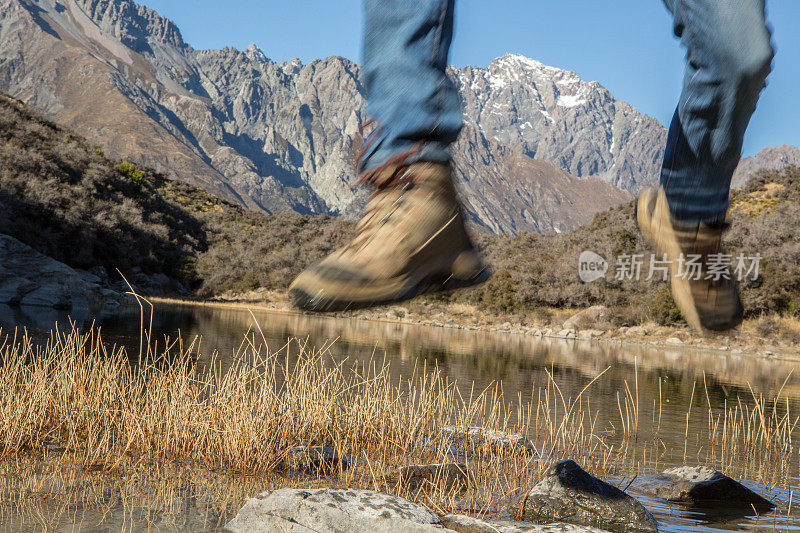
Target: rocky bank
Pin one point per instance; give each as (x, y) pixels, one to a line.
(29, 278)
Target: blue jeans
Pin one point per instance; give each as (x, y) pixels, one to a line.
(414, 104)
(728, 56)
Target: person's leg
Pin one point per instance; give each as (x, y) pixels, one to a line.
(412, 237)
(728, 57)
(414, 105)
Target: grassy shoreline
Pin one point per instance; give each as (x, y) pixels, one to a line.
(91, 410)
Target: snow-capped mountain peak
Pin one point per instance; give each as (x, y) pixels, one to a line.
(551, 113)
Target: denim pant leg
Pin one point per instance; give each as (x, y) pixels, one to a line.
(728, 57)
(409, 96)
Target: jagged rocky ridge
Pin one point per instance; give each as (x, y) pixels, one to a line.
(772, 158)
(280, 136)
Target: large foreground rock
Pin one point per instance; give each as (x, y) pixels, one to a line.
(468, 524)
(30, 278)
(701, 486)
(569, 494)
(332, 511)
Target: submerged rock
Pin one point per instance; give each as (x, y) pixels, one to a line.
(476, 437)
(569, 494)
(332, 511)
(699, 485)
(444, 475)
(316, 459)
(468, 524)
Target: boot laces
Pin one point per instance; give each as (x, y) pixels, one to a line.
(392, 175)
(372, 219)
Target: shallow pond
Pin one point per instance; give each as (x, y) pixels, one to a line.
(680, 393)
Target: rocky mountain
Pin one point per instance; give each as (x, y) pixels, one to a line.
(517, 193)
(773, 158)
(549, 113)
(280, 136)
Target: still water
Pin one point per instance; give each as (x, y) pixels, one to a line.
(678, 389)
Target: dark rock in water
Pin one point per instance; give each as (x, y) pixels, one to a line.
(332, 511)
(468, 524)
(445, 475)
(569, 494)
(699, 485)
(316, 460)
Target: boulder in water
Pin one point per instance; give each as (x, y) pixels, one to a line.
(700, 485)
(570, 494)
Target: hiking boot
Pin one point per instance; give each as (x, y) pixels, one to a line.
(706, 304)
(411, 240)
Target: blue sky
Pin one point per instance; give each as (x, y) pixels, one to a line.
(626, 45)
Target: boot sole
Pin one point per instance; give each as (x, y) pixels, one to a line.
(401, 289)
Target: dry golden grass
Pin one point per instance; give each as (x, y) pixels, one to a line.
(100, 411)
(85, 410)
(774, 327)
(758, 201)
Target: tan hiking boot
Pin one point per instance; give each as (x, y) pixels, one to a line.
(707, 304)
(411, 240)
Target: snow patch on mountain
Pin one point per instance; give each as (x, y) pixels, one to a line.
(570, 100)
